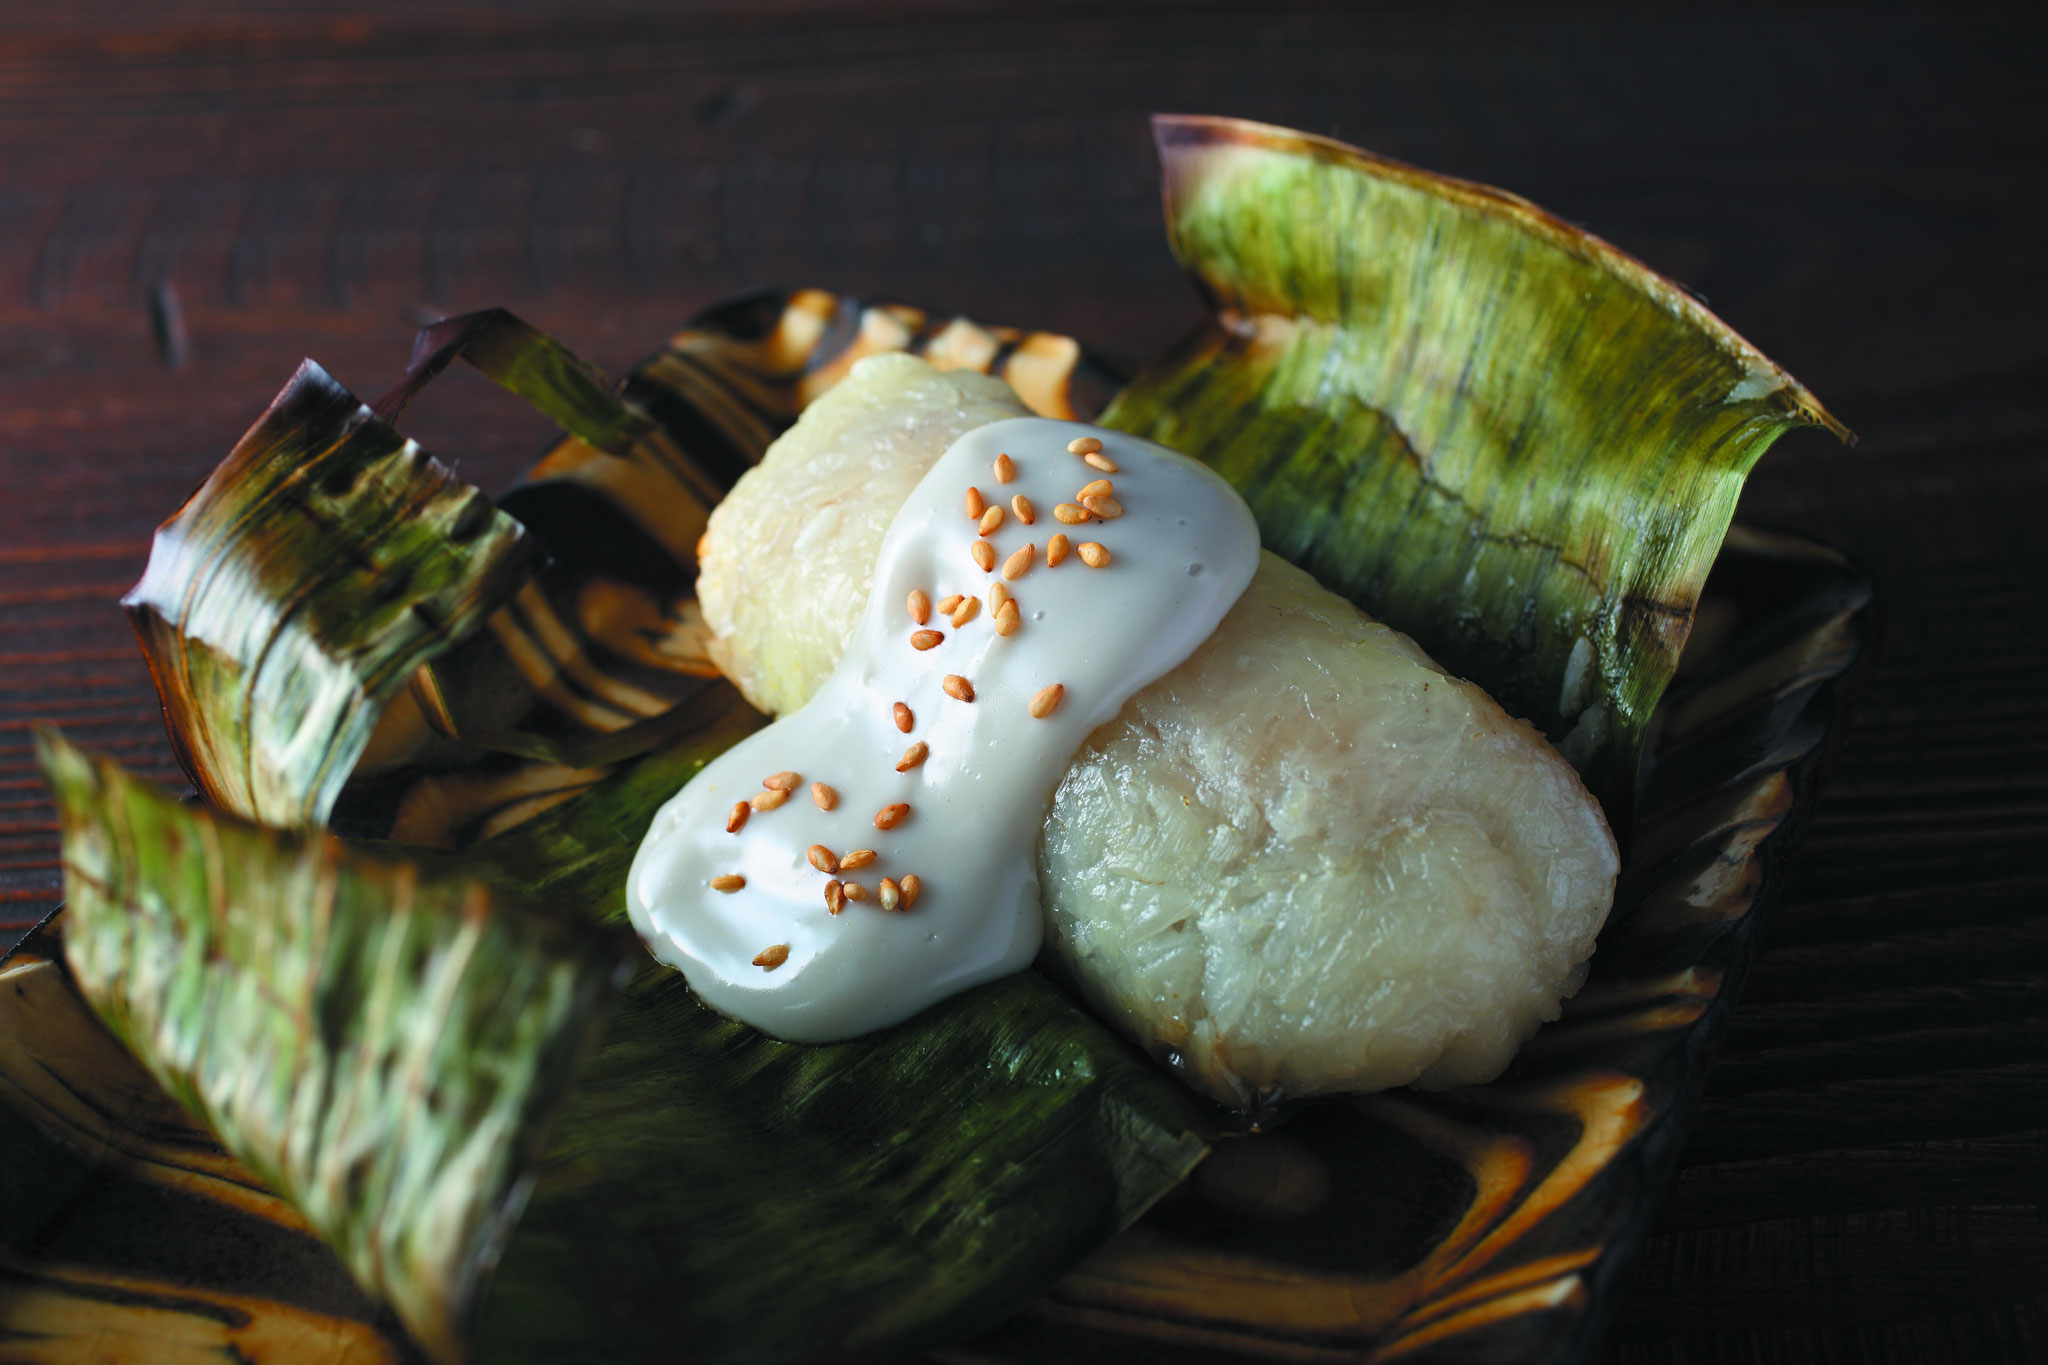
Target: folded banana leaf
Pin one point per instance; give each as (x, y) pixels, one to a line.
(715, 1193)
(381, 1049)
(293, 595)
(705, 1185)
(1492, 430)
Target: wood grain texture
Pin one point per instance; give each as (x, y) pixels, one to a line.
(1850, 189)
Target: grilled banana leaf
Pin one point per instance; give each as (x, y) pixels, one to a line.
(294, 594)
(1391, 356)
(1490, 429)
(705, 1185)
(786, 1203)
(383, 1050)
(382, 1046)
(712, 1192)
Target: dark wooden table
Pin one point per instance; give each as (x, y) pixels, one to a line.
(191, 202)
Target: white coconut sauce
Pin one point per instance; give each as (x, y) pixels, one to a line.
(772, 952)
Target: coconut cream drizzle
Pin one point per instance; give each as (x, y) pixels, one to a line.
(780, 880)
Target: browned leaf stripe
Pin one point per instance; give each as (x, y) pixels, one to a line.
(57, 1313)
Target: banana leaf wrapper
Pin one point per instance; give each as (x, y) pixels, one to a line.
(381, 1049)
(873, 1211)
(296, 592)
(1490, 429)
(705, 1184)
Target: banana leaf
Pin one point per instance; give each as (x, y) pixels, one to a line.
(381, 1049)
(294, 594)
(712, 1191)
(813, 1203)
(1492, 430)
(852, 1202)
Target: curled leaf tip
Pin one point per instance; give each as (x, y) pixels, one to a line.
(296, 591)
(1489, 427)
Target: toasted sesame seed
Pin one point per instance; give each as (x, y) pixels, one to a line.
(728, 882)
(1019, 563)
(889, 894)
(774, 957)
(1099, 488)
(1055, 550)
(1008, 619)
(740, 811)
(1046, 699)
(964, 613)
(1101, 461)
(958, 688)
(824, 796)
(998, 593)
(925, 639)
(769, 800)
(913, 756)
(781, 782)
(856, 892)
(990, 520)
(911, 886)
(888, 817)
(1084, 445)
(1006, 469)
(904, 717)
(1070, 514)
(1021, 505)
(835, 896)
(975, 504)
(1104, 506)
(1094, 554)
(821, 858)
(984, 555)
(920, 606)
(702, 541)
(948, 602)
(859, 857)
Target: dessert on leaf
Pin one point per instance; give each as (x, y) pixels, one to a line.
(1064, 759)
(1292, 852)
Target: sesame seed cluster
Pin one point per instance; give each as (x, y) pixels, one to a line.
(890, 893)
(1093, 503)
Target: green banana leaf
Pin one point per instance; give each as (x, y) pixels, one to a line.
(713, 1191)
(1492, 430)
(293, 595)
(382, 1049)
(867, 1199)
(758, 1200)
